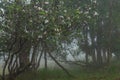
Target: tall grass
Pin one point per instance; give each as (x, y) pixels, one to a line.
(43, 74)
(111, 72)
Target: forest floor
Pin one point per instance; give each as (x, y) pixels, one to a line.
(107, 73)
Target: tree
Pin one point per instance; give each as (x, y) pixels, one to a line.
(39, 29)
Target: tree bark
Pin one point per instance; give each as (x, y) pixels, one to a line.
(59, 65)
(45, 58)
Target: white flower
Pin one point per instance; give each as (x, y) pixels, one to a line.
(46, 21)
(46, 11)
(86, 12)
(89, 8)
(61, 2)
(89, 17)
(39, 8)
(23, 10)
(26, 31)
(61, 16)
(40, 36)
(35, 6)
(94, 1)
(69, 24)
(30, 20)
(45, 33)
(65, 11)
(68, 18)
(57, 29)
(96, 14)
(46, 2)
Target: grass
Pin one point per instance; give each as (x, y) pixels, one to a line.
(107, 73)
(43, 74)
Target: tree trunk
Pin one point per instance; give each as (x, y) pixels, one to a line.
(60, 65)
(109, 55)
(104, 56)
(93, 56)
(24, 55)
(86, 57)
(99, 56)
(45, 58)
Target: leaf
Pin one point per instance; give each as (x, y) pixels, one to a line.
(42, 13)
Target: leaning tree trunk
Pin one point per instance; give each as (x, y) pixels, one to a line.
(53, 58)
